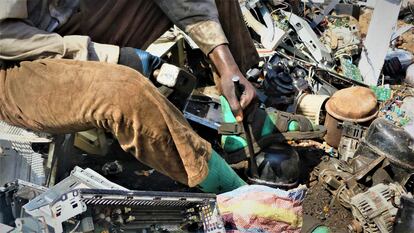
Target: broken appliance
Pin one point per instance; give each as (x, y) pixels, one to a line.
(85, 201)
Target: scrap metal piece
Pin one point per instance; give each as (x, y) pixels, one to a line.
(13, 133)
(270, 35)
(348, 9)
(378, 38)
(60, 209)
(350, 138)
(92, 141)
(79, 178)
(309, 38)
(204, 110)
(401, 31)
(12, 197)
(17, 158)
(354, 104)
(6, 228)
(318, 19)
(342, 35)
(384, 139)
(187, 207)
(336, 176)
(31, 224)
(76, 200)
(374, 209)
(62, 201)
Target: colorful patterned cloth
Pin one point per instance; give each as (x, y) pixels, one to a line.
(257, 208)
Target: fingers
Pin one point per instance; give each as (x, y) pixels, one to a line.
(244, 101)
(248, 95)
(235, 107)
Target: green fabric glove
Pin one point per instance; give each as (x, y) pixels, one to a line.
(221, 177)
(231, 143)
(321, 229)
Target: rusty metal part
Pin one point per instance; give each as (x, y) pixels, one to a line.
(375, 209)
(333, 131)
(350, 140)
(354, 104)
(336, 177)
(362, 165)
(355, 227)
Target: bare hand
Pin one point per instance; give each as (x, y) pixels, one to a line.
(226, 66)
(228, 89)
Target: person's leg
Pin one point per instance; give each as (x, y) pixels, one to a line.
(64, 96)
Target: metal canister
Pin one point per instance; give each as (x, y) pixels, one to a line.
(353, 104)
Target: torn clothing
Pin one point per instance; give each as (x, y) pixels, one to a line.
(64, 96)
(21, 20)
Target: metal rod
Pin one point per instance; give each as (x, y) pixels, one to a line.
(238, 88)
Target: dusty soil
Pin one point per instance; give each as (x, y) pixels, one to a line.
(318, 204)
(406, 40)
(318, 201)
(364, 20)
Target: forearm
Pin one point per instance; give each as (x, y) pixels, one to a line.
(223, 60)
(198, 19)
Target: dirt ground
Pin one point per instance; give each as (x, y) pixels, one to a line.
(406, 40)
(318, 204)
(318, 201)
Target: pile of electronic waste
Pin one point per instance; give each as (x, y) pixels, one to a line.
(320, 59)
(87, 202)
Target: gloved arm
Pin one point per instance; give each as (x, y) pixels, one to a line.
(139, 60)
(20, 41)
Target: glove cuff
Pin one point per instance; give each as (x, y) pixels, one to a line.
(129, 57)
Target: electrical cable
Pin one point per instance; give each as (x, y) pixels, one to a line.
(76, 227)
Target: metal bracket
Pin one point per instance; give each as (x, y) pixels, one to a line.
(231, 129)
